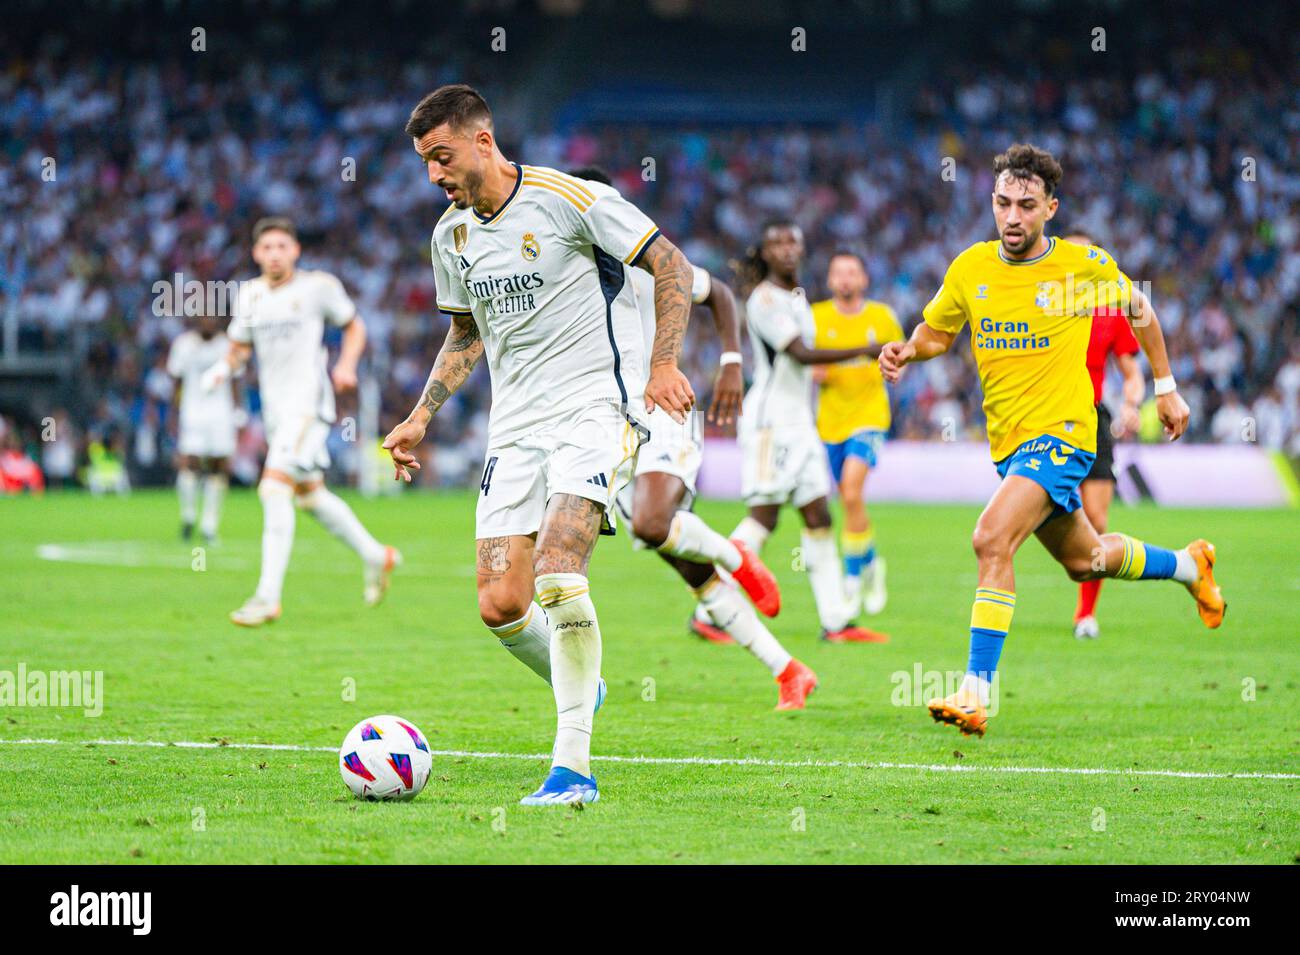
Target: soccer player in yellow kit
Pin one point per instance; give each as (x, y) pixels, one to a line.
(853, 415)
(1029, 299)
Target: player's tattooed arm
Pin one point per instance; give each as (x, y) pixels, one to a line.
(456, 359)
(926, 342)
(667, 387)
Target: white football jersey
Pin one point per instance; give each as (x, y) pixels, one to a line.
(544, 279)
(190, 356)
(286, 326)
(643, 283)
(781, 395)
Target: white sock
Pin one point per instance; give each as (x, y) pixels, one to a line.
(529, 639)
(187, 488)
(973, 683)
(575, 666)
(822, 559)
(731, 612)
(214, 489)
(337, 518)
(691, 539)
(277, 537)
(1184, 567)
(751, 533)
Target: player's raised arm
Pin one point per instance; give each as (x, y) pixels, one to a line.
(459, 354)
(926, 342)
(1170, 406)
(667, 387)
(228, 366)
(729, 386)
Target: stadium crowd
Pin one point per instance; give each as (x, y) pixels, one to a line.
(1189, 176)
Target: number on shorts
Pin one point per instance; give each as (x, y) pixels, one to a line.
(485, 485)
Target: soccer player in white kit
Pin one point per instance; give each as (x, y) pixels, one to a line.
(529, 266)
(281, 315)
(205, 426)
(784, 461)
(657, 503)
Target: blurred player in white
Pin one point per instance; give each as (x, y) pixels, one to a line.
(529, 266)
(281, 315)
(658, 502)
(784, 461)
(205, 425)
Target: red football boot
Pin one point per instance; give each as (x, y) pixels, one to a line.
(757, 581)
(796, 682)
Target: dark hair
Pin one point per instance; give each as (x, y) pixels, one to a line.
(850, 254)
(750, 269)
(456, 104)
(274, 223)
(1024, 162)
(594, 173)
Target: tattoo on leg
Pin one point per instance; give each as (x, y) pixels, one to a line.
(493, 558)
(568, 535)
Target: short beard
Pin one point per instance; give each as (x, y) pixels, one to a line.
(473, 185)
(1030, 239)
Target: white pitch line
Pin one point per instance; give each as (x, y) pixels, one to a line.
(684, 760)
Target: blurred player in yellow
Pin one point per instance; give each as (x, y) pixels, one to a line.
(1029, 299)
(853, 415)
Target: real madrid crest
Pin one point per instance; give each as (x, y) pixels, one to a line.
(530, 249)
(458, 236)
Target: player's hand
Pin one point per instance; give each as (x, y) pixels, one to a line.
(728, 393)
(1174, 414)
(893, 356)
(399, 443)
(344, 377)
(1130, 420)
(669, 389)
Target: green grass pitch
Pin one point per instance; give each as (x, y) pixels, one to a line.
(1157, 692)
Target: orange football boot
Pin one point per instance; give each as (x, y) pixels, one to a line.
(962, 710)
(1209, 600)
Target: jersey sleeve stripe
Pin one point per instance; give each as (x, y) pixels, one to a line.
(644, 243)
(558, 190)
(450, 310)
(562, 179)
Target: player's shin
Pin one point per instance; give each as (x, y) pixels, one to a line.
(990, 621)
(337, 518)
(691, 539)
(529, 640)
(214, 490)
(187, 489)
(1131, 559)
(823, 564)
(730, 612)
(575, 665)
(277, 537)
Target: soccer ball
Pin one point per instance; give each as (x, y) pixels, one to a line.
(385, 757)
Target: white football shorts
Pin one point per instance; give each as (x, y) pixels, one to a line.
(780, 466)
(590, 453)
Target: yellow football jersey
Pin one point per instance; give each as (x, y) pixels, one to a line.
(1030, 322)
(852, 396)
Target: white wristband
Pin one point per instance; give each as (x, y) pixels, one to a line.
(730, 358)
(1166, 386)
